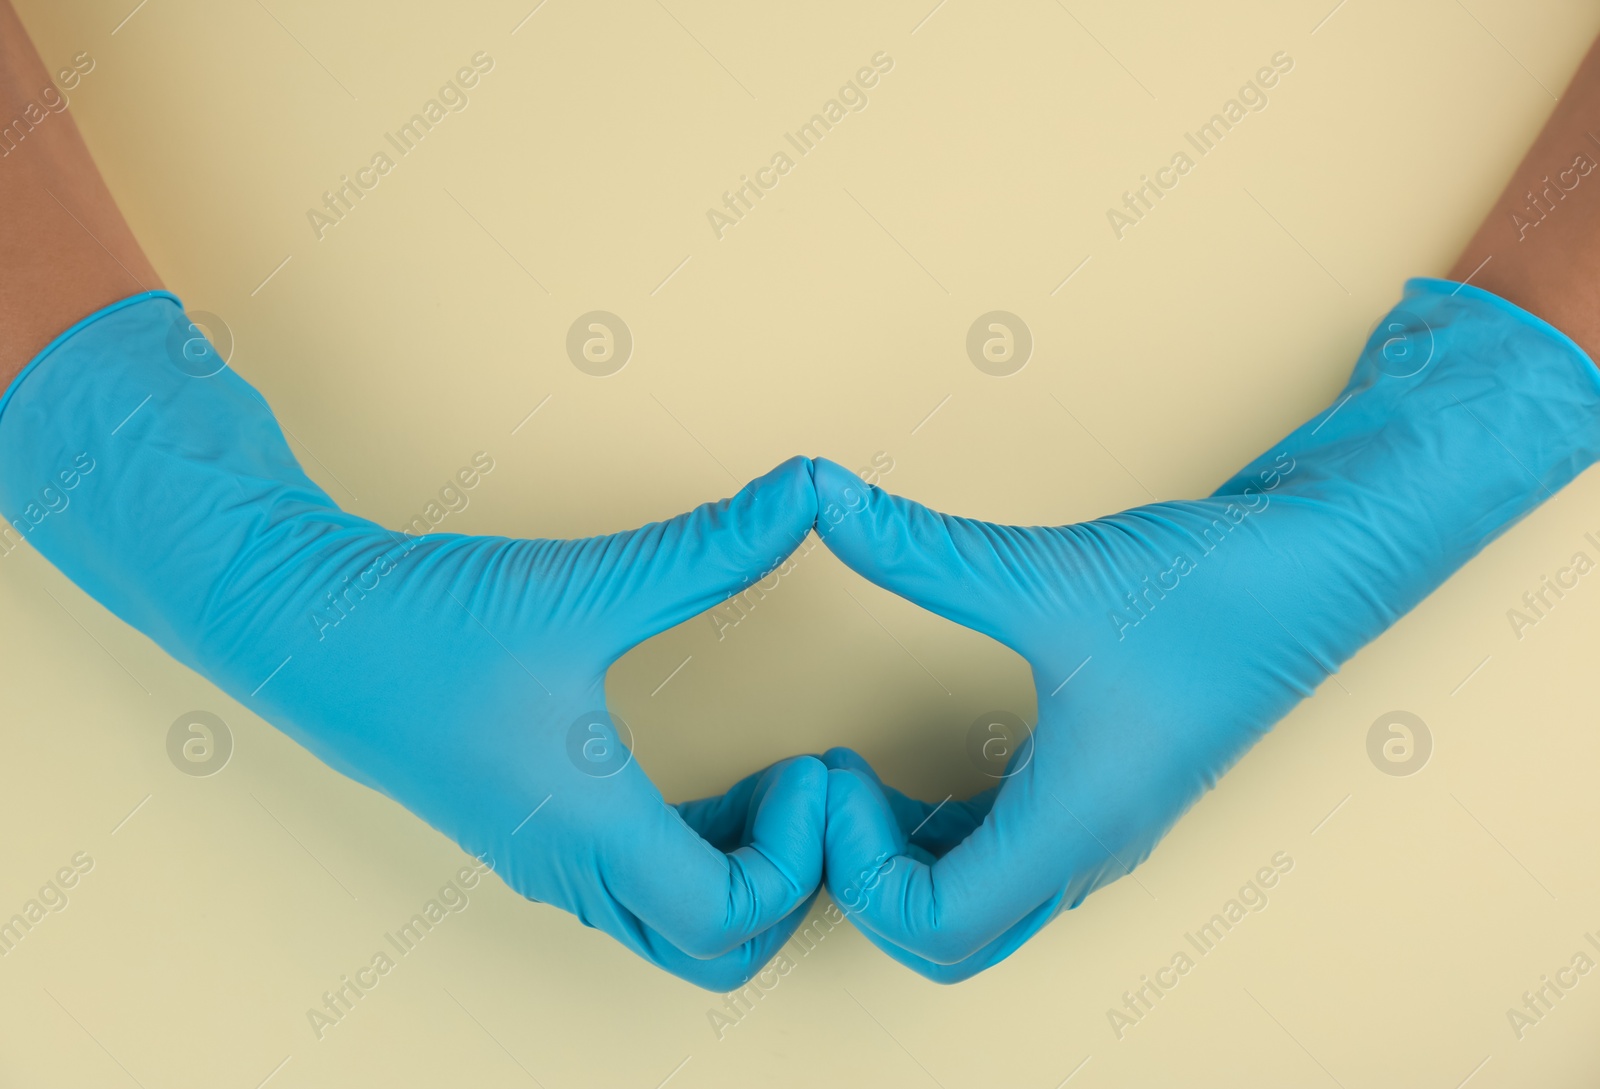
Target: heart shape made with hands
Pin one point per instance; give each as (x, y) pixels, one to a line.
(1163, 640)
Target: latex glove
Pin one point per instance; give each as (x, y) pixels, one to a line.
(1188, 629)
(461, 676)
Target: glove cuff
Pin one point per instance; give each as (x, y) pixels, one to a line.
(153, 476)
(1463, 413)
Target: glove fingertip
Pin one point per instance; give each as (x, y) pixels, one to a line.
(790, 818)
(839, 493)
(789, 484)
(844, 758)
(859, 819)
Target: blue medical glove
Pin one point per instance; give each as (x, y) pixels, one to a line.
(1166, 640)
(461, 676)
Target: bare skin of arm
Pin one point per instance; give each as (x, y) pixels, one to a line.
(68, 251)
(1540, 245)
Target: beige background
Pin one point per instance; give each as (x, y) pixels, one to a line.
(831, 320)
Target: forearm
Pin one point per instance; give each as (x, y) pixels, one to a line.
(1462, 415)
(1540, 245)
(68, 251)
(176, 502)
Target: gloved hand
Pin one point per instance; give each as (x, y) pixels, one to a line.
(461, 676)
(1166, 640)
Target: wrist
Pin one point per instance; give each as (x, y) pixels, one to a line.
(183, 483)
